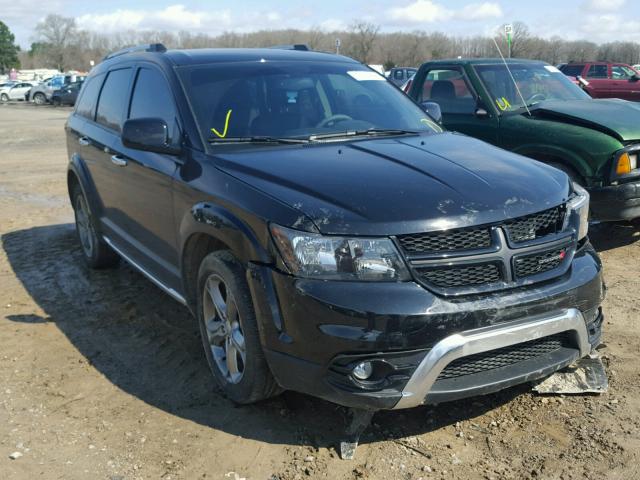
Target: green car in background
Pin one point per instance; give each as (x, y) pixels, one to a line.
(531, 108)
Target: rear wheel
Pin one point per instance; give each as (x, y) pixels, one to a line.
(229, 330)
(96, 252)
(39, 99)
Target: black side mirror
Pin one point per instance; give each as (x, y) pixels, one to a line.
(150, 134)
(433, 110)
(635, 77)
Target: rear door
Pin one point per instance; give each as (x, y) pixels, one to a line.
(144, 201)
(598, 76)
(624, 83)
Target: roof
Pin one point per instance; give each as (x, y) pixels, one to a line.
(223, 55)
(485, 61)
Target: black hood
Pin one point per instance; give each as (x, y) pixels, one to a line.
(400, 185)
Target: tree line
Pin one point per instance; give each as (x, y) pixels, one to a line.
(59, 43)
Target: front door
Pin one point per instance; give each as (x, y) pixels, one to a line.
(461, 111)
(625, 83)
(145, 179)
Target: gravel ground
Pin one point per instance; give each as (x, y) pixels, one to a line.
(102, 375)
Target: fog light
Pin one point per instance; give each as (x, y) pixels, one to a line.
(362, 371)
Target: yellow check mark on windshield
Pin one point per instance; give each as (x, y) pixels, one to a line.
(226, 127)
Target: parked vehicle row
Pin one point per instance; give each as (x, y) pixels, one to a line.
(59, 90)
(605, 79)
(328, 235)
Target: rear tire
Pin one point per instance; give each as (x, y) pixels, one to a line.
(229, 330)
(95, 251)
(39, 99)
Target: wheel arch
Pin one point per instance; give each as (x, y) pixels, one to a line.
(207, 228)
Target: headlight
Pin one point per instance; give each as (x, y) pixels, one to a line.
(312, 255)
(579, 205)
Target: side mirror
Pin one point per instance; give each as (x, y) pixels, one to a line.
(635, 77)
(150, 134)
(433, 110)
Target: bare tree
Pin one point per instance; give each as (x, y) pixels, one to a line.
(57, 33)
(362, 36)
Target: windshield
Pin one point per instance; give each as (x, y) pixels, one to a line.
(536, 83)
(299, 100)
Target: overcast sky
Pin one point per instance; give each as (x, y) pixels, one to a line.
(596, 20)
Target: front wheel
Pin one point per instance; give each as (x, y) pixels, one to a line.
(229, 330)
(39, 99)
(4, 97)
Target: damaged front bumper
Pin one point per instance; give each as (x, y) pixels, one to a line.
(423, 348)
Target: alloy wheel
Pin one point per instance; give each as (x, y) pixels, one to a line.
(224, 331)
(83, 224)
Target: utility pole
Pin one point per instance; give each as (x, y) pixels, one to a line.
(338, 43)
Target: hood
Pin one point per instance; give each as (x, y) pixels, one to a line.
(618, 118)
(399, 185)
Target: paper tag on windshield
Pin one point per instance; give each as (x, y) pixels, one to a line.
(362, 75)
(551, 68)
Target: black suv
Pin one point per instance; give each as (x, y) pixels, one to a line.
(329, 237)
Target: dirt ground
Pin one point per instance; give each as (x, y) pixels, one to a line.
(102, 376)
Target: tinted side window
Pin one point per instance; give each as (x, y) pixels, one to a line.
(597, 71)
(572, 70)
(398, 75)
(152, 97)
(86, 104)
(113, 98)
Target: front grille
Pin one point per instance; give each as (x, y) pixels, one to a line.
(541, 262)
(531, 227)
(447, 241)
(503, 357)
(463, 276)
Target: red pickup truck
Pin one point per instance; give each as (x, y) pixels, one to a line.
(606, 80)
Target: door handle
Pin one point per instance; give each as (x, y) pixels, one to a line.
(84, 141)
(118, 160)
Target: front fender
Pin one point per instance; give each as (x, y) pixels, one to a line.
(221, 224)
(557, 154)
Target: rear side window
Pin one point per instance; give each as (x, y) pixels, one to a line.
(597, 71)
(86, 104)
(572, 70)
(398, 75)
(113, 99)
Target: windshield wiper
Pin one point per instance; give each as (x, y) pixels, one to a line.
(361, 133)
(258, 139)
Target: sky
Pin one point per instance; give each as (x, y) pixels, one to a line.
(595, 20)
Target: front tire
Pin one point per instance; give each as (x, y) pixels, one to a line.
(229, 330)
(95, 251)
(39, 99)
(4, 97)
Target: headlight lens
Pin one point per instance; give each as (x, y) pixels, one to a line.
(312, 255)
(579, 205)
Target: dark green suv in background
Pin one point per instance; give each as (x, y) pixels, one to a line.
(531, 108)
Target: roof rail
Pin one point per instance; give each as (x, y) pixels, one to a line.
(151, 47)
(295, 46)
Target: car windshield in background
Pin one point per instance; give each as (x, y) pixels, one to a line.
(537, 83)
(297, 100)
